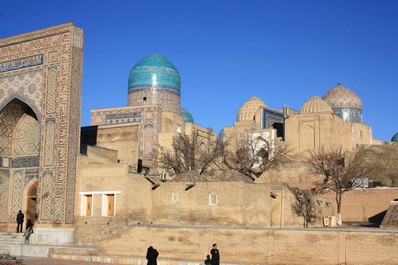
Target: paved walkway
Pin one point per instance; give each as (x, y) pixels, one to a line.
(48, 261)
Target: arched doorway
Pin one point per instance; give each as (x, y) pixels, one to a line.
(19, 154)
(31, 202)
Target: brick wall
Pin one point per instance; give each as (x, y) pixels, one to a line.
(258, 246)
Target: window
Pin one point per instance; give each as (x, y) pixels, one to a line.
(106, 208)
(213, 199)
(108, 205)
(86, 205)
(164, 176)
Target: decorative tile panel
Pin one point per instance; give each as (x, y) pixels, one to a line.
(4, 187)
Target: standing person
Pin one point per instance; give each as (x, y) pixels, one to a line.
(20, 218)
(215, 255)
(152, 255)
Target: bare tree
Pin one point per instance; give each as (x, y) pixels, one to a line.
(341, 171)
(193, 153)
(254, 153)
(305, 204)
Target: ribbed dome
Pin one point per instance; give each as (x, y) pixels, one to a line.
(342, 97)
(395, 138)
(186, 116)
(315, 105)
(155, 70)
(249, 109)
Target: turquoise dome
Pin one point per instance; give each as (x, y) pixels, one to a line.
(154, 72)
(395, 138)
(186, 116)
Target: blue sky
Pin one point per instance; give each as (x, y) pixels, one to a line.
(227, 51)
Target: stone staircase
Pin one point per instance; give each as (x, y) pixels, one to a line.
(8, 239)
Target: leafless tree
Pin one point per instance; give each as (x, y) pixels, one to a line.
(194, 153)
(304, 204)
(341, 171)
(253, 153)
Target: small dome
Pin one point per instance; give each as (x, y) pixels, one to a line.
(395, 138)
(342, 97)
(155, 70)
(249, 109)
(315, 105)
(186, 116)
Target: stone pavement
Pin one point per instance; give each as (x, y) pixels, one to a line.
(48, 261)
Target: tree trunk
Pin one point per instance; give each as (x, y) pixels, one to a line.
(338, 202)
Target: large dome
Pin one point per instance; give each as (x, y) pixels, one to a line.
(345, 103)
(395, 138)
(342, 97)
(315, 105)
(155, 70)
(155, 81)
(249, 109)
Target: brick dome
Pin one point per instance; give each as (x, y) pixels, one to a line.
(249, 109)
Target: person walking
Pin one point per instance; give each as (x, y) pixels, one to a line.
(215, 255)
(152, 255)
(20, 218)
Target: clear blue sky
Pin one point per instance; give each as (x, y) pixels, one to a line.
(227, 51)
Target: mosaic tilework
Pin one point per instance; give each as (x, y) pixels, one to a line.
(30, 175)
(8, 120)
(149, 129)
(21, 63)
(26, 136)
(186, 116)
(4, 182)
(45, 197)
(155, 70)
(342, 97)
(26, 86)
(51, 95)
(150, 123)
(49, 142)
(25, 161)
(169, 101)
(74, 125)
(270, 117)
(17, 187)
(55, 99)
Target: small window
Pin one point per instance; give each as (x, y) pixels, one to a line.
(87, 205)
(174, 197)
(108, 205)
(213, 199)
(144, 98)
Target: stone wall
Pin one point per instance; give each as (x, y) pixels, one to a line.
(257, 246)
(361, 204)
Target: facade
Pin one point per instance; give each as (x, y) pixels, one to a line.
(329, 122)
(84, 185)
(40, 88)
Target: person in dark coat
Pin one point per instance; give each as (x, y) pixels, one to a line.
(20, 219)
(215, 255)
(207, 260)
(152, 255)
(28, 231)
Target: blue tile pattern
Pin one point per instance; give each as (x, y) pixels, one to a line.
(154, 71)
(395, 138)
(186, 116)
